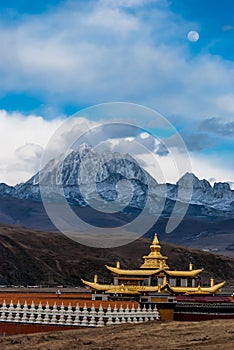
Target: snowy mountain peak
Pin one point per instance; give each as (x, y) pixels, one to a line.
(6, 190)
(220, 196)
(84, 167)
(188, 180)
(222, 186)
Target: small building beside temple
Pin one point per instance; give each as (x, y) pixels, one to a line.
(154, 277)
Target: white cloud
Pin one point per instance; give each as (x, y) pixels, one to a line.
(144, 135)
(206, 167)
(106, 18)
(129, 139)
(226, 103)
(104, 52)
(22, 139)
(29, 151)
(126, 3)
(165, 169)
(24, 162)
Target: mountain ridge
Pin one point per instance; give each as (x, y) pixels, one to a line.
(85, 170)
(37, 257)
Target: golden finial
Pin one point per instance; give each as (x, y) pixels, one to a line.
(95, 278)
(155, 240)
(155, 246)
(117, 264)
(190, 266)
(212, 282)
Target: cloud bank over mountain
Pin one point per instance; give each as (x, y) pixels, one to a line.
(23, 140)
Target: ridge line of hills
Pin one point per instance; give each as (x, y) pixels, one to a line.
(30, 257)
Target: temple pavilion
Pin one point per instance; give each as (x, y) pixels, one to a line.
(154, 276)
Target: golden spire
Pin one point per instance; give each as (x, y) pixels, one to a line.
(155, 240)
(155, 247)
(155, 258)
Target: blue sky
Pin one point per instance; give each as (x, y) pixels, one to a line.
(58, 57)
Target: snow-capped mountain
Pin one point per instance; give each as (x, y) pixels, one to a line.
(6, 190)
(220, 196)
(84, 173)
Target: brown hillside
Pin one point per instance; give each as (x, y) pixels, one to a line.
(32, 257)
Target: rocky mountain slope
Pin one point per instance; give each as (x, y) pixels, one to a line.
(35, 257)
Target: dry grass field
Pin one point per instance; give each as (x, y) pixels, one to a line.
(215, 334)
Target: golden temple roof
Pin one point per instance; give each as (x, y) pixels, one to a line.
(189, 273)
(118, 288)
(132, 289)
(97, 286)
(194, 290)
(139, 272)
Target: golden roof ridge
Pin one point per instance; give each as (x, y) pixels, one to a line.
(181, 273)
(138, 272)
(194, 290)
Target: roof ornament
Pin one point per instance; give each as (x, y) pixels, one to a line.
(212, 282)
(95, 278)
(155, 259)
(155, 240)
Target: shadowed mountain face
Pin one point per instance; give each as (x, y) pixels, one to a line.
(209, 219)
(33, 257)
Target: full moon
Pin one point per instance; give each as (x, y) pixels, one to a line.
(193, 36)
